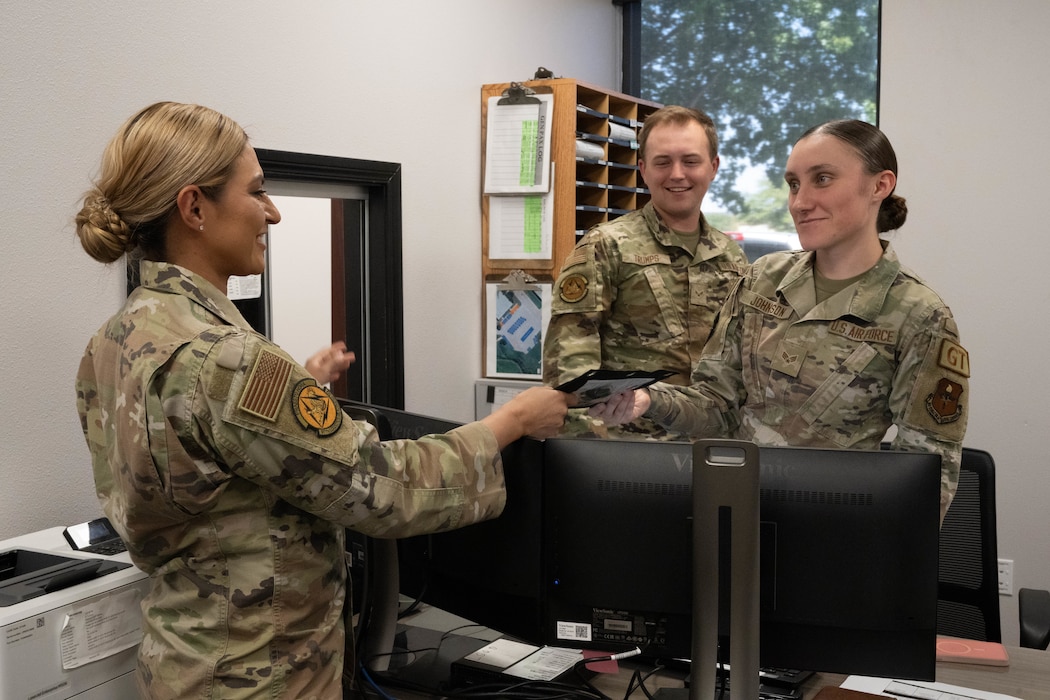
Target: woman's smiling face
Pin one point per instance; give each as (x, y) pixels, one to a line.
(237, 220)
(833, 200)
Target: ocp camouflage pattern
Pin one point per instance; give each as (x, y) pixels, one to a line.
(239, 518)
(781, 369)
(629, 297)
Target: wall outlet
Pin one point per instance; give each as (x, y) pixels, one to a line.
(1006, 577)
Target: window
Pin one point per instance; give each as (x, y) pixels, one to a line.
(765, 70)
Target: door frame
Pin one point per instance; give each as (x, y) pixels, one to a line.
(367, 278)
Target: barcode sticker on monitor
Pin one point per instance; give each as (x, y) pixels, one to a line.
(574, 631)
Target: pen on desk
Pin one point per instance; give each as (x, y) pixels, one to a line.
(907, 690)
(611, 657)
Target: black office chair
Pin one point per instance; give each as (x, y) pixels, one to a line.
(1033, 609)
(968, 583)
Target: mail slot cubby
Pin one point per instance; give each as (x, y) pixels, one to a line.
(602, 119)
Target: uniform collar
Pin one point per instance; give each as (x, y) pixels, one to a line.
(173, 279)
(712, 242)
(864, 299)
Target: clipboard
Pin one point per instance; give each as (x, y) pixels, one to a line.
(518, 311)
(518, 141)
(521, 227)
(518, 94)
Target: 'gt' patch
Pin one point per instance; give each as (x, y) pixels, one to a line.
(315, 409)
(953, 357)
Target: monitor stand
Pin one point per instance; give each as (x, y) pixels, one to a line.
(725, 497)
(378, 645)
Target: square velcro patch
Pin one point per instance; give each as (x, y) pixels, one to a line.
(266, 386)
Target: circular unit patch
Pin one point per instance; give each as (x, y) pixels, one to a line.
(573, 288)
(315, 409)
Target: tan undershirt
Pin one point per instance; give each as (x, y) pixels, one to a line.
(827, 288)
(689, 240)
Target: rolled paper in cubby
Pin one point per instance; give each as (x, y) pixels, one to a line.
(621, 132)
(586, 149)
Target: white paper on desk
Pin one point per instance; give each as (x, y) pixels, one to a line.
(518, 146)
(546, 664)
(101, 628)
(502, 653)
(521, 227)
(918, 689)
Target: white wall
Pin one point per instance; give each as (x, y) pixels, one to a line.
(963, 100)
(965, 103)
(300, 275)
(397, 81)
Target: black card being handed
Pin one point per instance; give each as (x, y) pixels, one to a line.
(597, 385)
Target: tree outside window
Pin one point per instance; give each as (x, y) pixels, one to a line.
(765, 70)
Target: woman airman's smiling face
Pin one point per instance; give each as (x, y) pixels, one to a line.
(238, 219)
(833, 200)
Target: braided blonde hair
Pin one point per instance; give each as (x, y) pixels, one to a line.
(156, 153)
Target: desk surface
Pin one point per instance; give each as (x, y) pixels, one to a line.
(1027, 677)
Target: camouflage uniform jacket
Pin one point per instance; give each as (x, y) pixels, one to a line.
(231, 476)
(630, 298)
(781, 369)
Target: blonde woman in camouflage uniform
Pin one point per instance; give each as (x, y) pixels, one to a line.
(642, 292)
(831, 346)
(228, 471)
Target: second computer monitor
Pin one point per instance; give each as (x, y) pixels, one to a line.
(848, 557)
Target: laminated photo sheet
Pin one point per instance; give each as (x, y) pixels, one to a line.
(517, 320)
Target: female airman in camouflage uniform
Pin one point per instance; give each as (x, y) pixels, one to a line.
(228, 471)
(833, 345)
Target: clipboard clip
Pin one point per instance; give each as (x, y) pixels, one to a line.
(519, 280)
(518, 94)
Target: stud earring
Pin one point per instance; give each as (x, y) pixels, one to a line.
(202, 227)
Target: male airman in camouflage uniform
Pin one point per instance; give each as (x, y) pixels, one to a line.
(232, 476)
(642, 292)
(783, 369)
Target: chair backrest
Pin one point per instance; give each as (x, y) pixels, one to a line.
(968, 589)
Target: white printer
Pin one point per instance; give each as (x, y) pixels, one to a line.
(70, 621)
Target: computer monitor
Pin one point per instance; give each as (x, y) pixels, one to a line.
(848, 556)
(489, 572)
(617, 552)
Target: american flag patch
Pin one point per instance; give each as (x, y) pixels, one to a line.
(266, 386)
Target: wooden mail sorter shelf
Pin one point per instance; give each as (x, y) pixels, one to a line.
(585, 190)
(594, 177)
